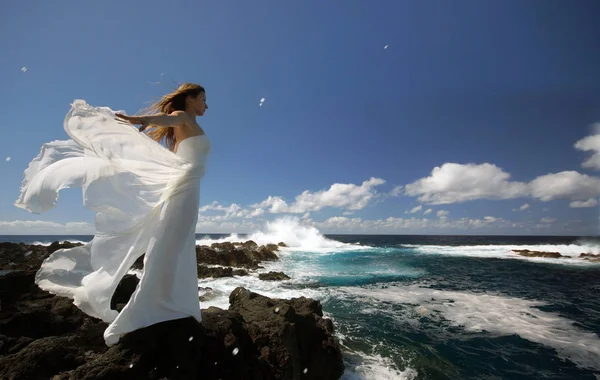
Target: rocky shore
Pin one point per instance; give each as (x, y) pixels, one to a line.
(556, 255)
(43, 336)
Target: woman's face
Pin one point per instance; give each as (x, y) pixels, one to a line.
(199, 104)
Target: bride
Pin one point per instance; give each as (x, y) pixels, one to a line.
(145, 198)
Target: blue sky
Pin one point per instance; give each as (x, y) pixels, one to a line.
(481, 112)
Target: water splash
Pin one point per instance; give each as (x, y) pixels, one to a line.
(289, 230)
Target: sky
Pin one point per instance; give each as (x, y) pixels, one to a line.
(386, 117)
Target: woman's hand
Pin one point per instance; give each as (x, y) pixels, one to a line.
(143, 120)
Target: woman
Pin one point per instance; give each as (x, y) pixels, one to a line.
(145, 198)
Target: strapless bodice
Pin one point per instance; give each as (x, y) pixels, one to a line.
(194, 149)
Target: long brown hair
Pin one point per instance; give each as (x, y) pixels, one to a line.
(174, 101)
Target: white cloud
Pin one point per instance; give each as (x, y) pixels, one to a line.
(215, 224)
(232, 208)
(385, 47)
(428, 211)
(454, 183)
(547, 220)
(7, 159)
(262, 101)
(24, 69)
(442, 213)
(254, 213)
(339, 195)
(415, 209)
(395, 225)
(522, 208)
(344, 196)
(591, 144)
(569, 185)
(592, 202)
(396, 191)
(41, 227)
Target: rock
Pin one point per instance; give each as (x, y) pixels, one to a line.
(209, 294)
(55, 246)
(273, 276)
(228, 254)
(20, 256)
(139, 263)
(180, 349)
(590, 257)
(290, 335)
(45, 336)
(282, 244)
(241, 255)
(267, 252)
(528, 253)
(217, 272)
(226, 246)
(124, 290)
(250, 244)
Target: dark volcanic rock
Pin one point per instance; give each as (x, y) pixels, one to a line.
(240, 256)
(180, 349)
(22, 256)
(273, 276)
(590, 257)
(124, 290)
(216, 272)
(45, 336)
(528, 253)
(55, 246)
(139, 263)
(250, 244)
(42, 334)
(291, 335)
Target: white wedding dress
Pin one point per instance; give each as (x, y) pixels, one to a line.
(145, 200)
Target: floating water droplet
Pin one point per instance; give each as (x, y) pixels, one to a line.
(131, 365)
(305, 370)
(177, 367)
(276, 310)
(215, 363)
(191, 338)
(236, 350)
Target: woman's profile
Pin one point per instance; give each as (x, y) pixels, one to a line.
(145, 198)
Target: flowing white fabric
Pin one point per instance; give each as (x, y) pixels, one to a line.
(145, 200)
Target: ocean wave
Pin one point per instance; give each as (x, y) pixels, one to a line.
(374, 367)
(482, 312)
(571, 251)
(293, 233)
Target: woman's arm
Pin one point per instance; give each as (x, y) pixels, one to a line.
(174, 119)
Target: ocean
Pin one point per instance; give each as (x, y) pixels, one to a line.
(435, 307)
